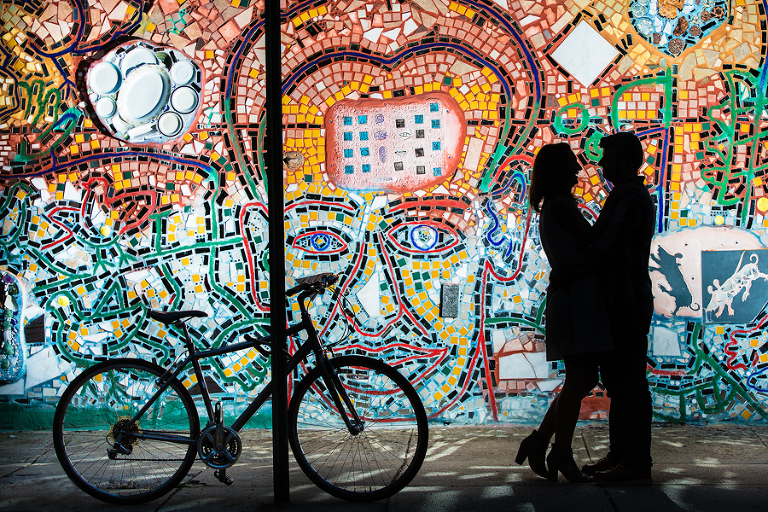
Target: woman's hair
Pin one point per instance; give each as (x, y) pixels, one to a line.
(550, 172)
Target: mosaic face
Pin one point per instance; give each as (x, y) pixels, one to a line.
(409, 133)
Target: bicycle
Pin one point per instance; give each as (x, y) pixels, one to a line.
(127, 431)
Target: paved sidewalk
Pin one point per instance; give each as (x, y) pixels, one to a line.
(708, 468)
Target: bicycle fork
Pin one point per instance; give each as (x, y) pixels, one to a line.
(340, 397)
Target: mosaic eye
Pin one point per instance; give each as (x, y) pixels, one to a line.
(320, 242)
(423, 237)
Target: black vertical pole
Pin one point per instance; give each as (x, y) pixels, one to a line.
(274, 161)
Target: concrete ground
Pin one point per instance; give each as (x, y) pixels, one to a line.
(696, 468)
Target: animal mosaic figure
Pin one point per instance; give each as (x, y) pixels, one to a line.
(742, 279)
(669, 266)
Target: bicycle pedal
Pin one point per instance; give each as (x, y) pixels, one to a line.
(223, 477)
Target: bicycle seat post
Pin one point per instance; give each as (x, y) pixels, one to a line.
(198, 371)
(187, 339)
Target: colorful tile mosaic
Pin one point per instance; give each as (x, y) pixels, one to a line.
(409, 132)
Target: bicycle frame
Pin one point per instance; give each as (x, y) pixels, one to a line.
(313, 344)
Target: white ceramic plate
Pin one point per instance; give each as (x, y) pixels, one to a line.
(104, 78)
(183, 72)
(106, 107)
(138, 56)
(169, 124)
(144, 93)
(184, 100)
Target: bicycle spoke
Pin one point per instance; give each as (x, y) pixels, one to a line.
(374, 463)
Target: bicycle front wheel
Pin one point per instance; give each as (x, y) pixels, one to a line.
(94, 414)
(380, 460)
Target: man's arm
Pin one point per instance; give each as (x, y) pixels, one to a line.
(617, 218)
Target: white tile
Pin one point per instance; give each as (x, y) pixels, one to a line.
(584, 53)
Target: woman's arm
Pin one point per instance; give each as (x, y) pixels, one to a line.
(566, 214)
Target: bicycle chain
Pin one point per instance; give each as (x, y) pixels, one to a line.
(156, 460)
(153, 460)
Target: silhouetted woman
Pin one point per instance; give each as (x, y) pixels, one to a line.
(576, 321)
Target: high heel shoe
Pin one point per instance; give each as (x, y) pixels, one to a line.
(561, 460)
(534, 448)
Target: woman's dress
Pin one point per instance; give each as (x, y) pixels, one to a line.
(576, 317)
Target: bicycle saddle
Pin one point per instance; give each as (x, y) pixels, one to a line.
(317, 283)
(173, 316)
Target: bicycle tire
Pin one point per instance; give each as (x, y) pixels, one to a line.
(376, 463)
(85, 422)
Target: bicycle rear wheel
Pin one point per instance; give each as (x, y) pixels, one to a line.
(95, 411)
(385, 456)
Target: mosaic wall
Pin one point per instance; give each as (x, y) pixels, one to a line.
(133, 177)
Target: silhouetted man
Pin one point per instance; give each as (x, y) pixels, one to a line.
(622, 237)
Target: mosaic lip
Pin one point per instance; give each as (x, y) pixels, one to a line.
(394, 145)
(400, 353)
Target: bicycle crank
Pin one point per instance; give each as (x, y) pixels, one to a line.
(219, 446)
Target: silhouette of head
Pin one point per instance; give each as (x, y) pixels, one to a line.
(623, 155)
(554, 172)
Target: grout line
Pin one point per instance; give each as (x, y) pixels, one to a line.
(614, 506)
(48, 449)
(758, 436)
(177, 489)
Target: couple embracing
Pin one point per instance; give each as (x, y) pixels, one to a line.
(599, 307)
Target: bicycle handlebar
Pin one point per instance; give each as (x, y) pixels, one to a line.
(315, 284)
